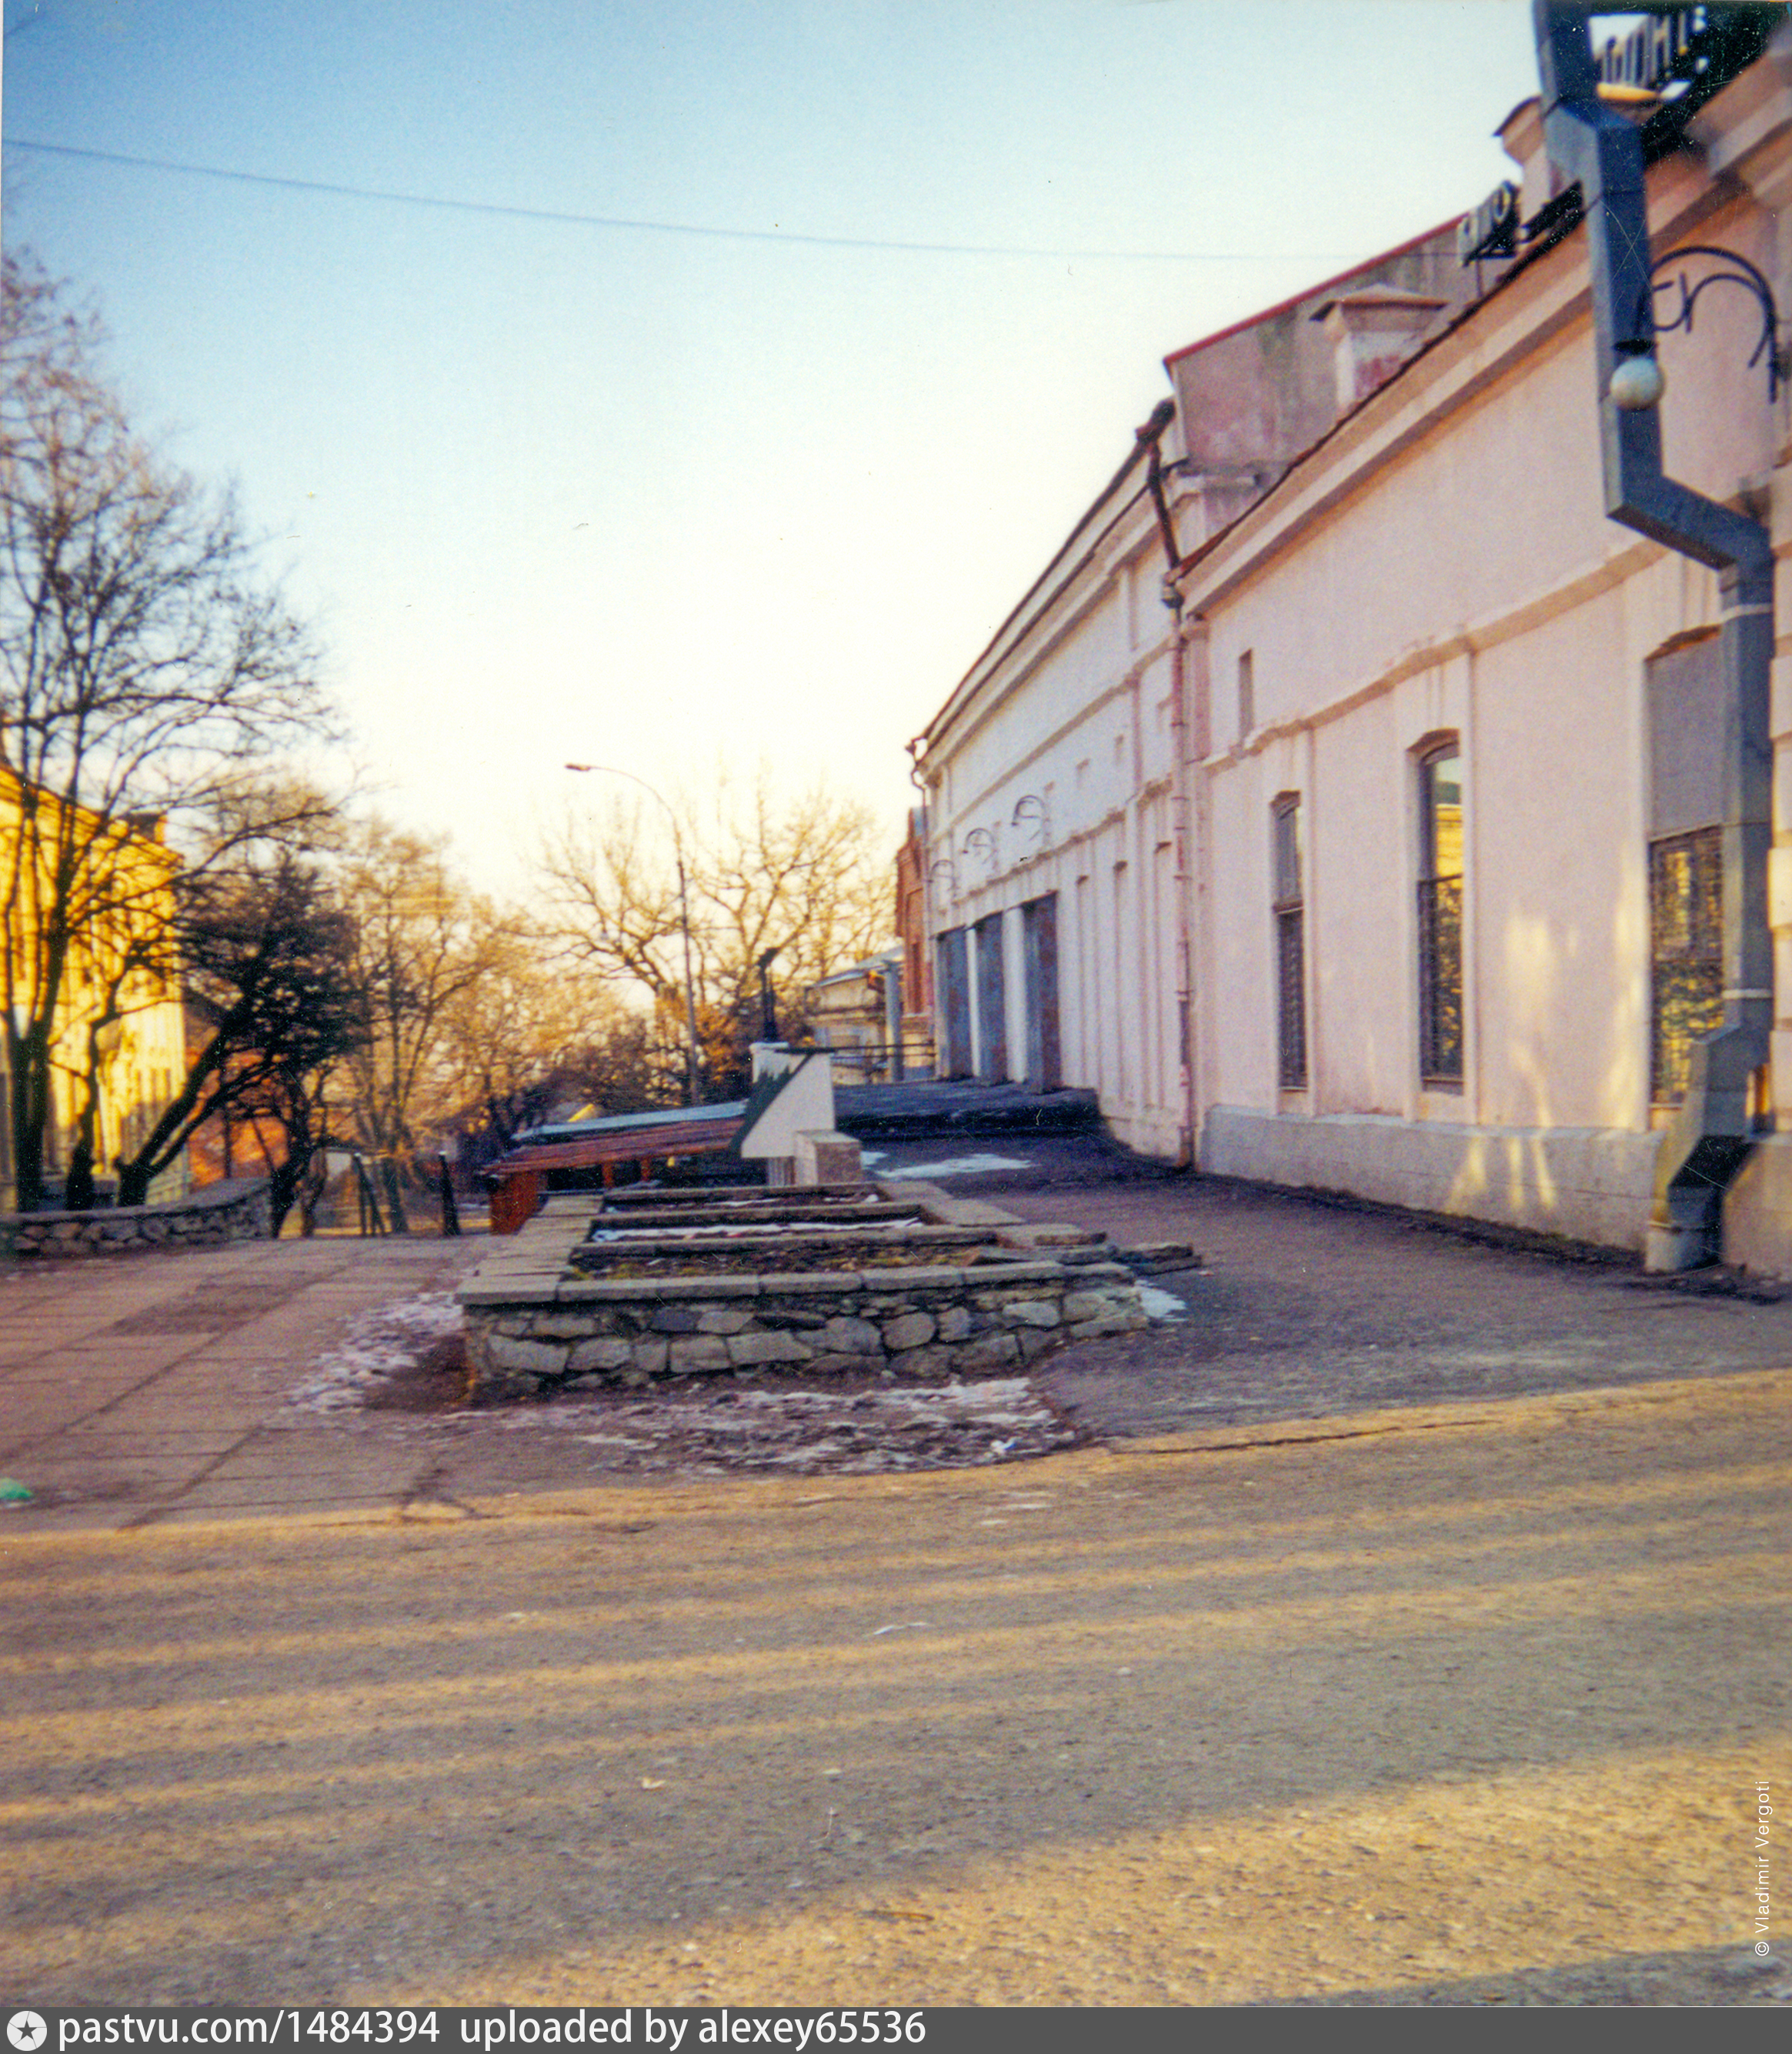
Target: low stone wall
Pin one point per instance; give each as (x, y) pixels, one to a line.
(533, 1327)
(236, 1210)
(929, 1324)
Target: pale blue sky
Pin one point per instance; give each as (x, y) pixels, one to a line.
(552, 489)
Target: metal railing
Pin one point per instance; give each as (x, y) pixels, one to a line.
(881, 1062)
(1440, 1035)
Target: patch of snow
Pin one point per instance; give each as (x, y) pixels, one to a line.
(960, 1166)
(1164, 1306)
(704, 1430)
(378, 1344)
(695, 1431)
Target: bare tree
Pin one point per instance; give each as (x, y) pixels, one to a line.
(423, 942)
(802, 879)
(148, 673)
(526, 1034)
(269, 972)
(531, 1037)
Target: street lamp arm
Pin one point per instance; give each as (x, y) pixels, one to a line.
(610, 770)
(692, 1059)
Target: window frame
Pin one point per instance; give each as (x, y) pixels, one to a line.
(1686, 967)
(1442, 1038)
(1288, 915)
(1683, 857)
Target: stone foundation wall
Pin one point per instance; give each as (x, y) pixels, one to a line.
(238, 1210)
(1592, 1184)
(929, 1324)
(1758, 1209)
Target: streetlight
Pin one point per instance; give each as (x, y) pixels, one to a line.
(691, 1059)
(768, 1013)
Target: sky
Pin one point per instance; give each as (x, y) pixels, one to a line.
(679, 385)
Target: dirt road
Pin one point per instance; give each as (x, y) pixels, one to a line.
(1413, 1630)
(1430, 1712)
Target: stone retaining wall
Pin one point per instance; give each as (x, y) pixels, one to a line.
(236, 1210)
(929, 1325)
(533, 1327)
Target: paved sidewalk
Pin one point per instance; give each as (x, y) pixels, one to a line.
(153, 1387)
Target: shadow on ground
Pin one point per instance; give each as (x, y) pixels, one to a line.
(1409, 1713)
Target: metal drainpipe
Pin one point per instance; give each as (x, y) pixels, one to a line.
(1704, 1147)
(1152, 432)
(917, 748)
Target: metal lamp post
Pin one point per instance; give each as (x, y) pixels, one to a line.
(691, 1056)
(768, 1011)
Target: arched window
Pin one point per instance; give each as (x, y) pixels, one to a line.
(1440, 881)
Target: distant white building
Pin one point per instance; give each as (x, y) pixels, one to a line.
(857, 1013)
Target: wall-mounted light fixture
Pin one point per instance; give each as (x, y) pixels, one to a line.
(1732, 270)
(1637, 382)
(982, 841)
(1031, 808)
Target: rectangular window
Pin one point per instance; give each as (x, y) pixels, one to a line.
(1440, 879)
(1247, 692)
(1685, 694)
(952, 983)
(1686, 934)
(1290, 946)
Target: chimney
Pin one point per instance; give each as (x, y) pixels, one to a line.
(1372, 332)
(1521, 137)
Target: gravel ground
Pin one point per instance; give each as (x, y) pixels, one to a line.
(1459, 1713)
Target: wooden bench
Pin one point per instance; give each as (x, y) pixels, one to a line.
(519, 1179)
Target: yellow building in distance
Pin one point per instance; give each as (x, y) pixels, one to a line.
(119, 988)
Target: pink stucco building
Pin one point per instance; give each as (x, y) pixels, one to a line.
(1389, 855)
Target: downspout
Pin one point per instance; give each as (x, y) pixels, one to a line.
(1152, 433)
(1188, 1154)
(1702, 1149)
(917, 748)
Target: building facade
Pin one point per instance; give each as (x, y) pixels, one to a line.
(857, 1013)
(113, 989)
(1392, 857)
(1059, 862)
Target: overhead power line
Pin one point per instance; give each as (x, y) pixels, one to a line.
(569, 218)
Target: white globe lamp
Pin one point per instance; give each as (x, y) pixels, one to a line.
(1637, 384)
